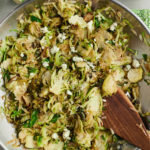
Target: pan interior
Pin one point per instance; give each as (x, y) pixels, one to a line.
(10, 22)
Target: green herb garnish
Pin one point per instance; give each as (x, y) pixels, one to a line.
(38, 138)
(46, 60)
(3, 50)
(16, 113)
(145, 57)
(55, 118)
(35, 19)
(103, 137)
(65, 146)
(32, 121)
(32, 70)
(132, 50)
(34, 118)
(97, 22)
(111, 42)
(6, 75)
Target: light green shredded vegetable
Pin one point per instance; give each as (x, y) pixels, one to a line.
(57, 71)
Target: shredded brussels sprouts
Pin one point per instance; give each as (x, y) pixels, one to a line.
(57, 71)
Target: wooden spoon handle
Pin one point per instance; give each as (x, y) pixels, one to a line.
(122, 117)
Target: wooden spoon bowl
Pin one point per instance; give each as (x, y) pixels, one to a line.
(121, 116)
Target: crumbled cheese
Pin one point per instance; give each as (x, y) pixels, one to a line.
(98, 56)
(55, 49)
(77, 20)
(43, 41)
(112, 131)
(50, 37)
(83, 86)
(61, 37)
(77, 59)
(125, 40)
(136, 63)
(22, 54)
(73, 49)
(94, 40)
(30, 38)
(128, 67)
(87, 5)
(66, 134)
(90, 26)
(128, 94)
(55, 136)
(100, 17)
(91, 45)
(104, 100)
(125, 84)
(69, 92)
(118, 147)
(113, 26)
(91, 65)
(43, 47)
(107, 41)
(32, 75)
(44, 30)
(64, 66)
(45, 64)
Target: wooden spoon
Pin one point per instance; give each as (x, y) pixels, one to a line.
(121, 116)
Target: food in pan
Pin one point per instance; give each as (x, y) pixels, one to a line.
(57, 70)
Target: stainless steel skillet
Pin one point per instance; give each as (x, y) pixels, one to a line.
(6, 130)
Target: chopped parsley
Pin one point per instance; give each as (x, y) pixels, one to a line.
(16, 113)
(55, 118)
(132, 50)
(32, 70)
(97, 22)
(145, 57)
(35, 19)
(6, 75)
(103, 137)
(32, 121)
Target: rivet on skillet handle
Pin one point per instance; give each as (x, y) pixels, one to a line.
(122, 117)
